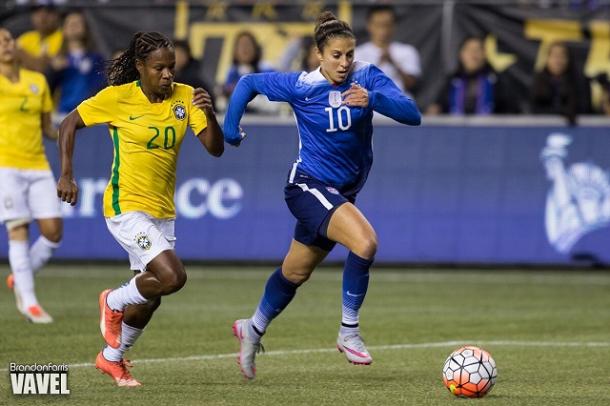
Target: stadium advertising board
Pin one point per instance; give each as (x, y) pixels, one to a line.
(436, 194)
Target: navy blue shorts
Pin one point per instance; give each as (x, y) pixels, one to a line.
(312, 203)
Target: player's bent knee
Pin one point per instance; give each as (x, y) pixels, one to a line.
(174, 282)
(298, 277)
(366, 247)
(54, 236)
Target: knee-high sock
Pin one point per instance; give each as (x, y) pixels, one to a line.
(41, 251)
(279, 291)
(18, 257)
(355, 285)
(129, 335)
(127, 294)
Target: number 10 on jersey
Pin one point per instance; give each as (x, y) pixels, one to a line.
(344, 118)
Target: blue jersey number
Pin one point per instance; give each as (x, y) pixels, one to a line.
(344, 118)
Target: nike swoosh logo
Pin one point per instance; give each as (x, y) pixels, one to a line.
(135, 117)
(352, 295)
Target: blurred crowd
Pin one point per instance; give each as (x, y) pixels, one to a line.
(61, 46)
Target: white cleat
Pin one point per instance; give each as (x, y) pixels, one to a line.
(248, 348)
(36, 314)
(354, 349)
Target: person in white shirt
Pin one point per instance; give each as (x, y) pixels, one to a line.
(397, 60)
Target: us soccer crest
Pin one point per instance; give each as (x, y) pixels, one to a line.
(179, 111)
(334, 98)
(143, 241)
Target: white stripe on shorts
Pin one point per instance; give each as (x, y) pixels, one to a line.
(317, 194)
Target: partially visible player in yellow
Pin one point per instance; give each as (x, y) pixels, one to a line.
(38, 46)
(27, 186)
(147, 115)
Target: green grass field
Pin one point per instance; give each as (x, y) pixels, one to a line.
(549, 333)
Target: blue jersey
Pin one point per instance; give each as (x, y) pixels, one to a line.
(335, 140)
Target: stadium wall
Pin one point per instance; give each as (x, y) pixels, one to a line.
(456, 191)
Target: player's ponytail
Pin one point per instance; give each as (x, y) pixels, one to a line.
(329, 26)
(122, 69)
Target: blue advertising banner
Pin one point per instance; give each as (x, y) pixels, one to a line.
(436, 194)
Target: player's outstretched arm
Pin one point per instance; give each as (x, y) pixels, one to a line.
(211, 137)
(243, 93)
(387, 99)
(277, 86)
(67, 190)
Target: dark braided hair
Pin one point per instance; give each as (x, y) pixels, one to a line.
(329, 26)
(122, 69)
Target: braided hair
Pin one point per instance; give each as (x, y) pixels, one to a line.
(329, 26)
(122, 69)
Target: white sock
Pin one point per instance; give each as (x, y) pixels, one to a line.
(129, 335)
(41, 251)
(18, 257)
(127, 294)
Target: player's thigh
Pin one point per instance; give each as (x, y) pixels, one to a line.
(302, 259)
(140, 235)
(350, 228)
(13, 195)
(42, 195)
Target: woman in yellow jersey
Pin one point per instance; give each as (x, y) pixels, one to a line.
(27, 186)
(147, 115)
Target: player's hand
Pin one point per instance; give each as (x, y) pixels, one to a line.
(235, 139)
(356, 96)
(67, 190)
(202, 99)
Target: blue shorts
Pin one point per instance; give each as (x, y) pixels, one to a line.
(312, 203)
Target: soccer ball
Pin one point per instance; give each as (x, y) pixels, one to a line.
(470, 372)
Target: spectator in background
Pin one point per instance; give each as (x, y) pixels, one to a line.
(474, 88)
(247, 55)
(558, 88)
(36, 47)
(77, 71)
(397, 60)
(300, 54)
(188, 69)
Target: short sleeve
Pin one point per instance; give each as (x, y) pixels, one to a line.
(197, 120)
(99, 108)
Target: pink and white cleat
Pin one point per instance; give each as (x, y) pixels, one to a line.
(248, 348)
(354, 349)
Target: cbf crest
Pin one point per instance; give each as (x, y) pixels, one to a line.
(143, 241)
(179, 111)
(334, 98)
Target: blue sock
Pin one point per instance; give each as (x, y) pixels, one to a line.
(355, 284)
(279, 291)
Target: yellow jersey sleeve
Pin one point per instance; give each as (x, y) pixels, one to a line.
(100, 108)
(197, 120)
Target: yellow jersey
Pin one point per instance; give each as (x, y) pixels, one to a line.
(21, 106)
(147, 138)
(35, 45)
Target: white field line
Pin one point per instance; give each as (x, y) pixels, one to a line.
(500, 343)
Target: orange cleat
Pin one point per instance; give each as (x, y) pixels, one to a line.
(10, 281)
(117, 370)
(37, 315)
(110, 322)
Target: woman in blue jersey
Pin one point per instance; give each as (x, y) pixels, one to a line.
(333, 106)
